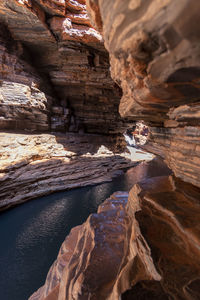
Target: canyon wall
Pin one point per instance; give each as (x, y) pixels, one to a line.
(155, 58)
(56, 65)
(83, 272)
(55, 76)
(25, 98)
(32, 165)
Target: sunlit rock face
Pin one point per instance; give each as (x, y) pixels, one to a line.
(38, 164)
(68, 54)
(155, 58)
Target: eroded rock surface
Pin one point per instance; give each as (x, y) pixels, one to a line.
(25, 98)
(97, 259)
(148, 239)
(68, 55)
(154, 56)
(169, 221)
(34, 165)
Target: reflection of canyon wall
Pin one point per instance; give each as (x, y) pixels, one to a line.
(54, 70)
(155, 58)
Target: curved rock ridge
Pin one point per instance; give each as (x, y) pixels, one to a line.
(154, 56)
(71, 84)
(147, 242)
(169, 221)
(101, 258)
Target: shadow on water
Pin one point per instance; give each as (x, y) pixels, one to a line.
(31, 234)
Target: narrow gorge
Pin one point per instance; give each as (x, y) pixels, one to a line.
(75, 76)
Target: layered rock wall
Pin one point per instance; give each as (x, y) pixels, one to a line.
(69, 56)
(25, 98)
(154, 55)
(169, 222)
(38, 164)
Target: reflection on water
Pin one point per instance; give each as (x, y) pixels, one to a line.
(31, 234)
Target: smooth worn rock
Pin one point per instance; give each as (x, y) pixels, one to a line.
(154, 56)
(148, 244)
(169, 221)
(97, 259)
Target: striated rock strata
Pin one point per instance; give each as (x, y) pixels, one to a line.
(34, 165)
(54, 43)
(25, 98)
(154, 56)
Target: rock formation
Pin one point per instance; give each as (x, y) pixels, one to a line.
(97, 259)
(148, 240)
(24, 97)
(55, 76)
(168, 218)
(54, 43)
(154, 56)
(38, 164)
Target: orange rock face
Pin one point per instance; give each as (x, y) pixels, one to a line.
(154, 57)
(59, 62)
(147, 242)
(97, 260)
(169, 222)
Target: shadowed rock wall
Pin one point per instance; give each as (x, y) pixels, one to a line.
(69, 55)
(155, 58)
(25, 98)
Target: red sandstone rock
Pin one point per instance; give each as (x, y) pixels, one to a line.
(69, 56)
(97, 259)
(168, 219)
(154, 56)
(165, 212)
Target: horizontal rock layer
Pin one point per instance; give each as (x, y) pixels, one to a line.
(154, 56)
(36, 165)
(68, 55)
(180, 147)
(25, 98)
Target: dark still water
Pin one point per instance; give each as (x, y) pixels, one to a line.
(31, 234)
